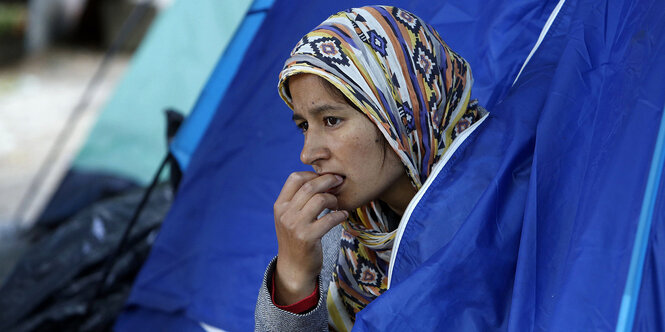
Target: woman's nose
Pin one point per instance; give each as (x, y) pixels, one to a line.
(314, 149)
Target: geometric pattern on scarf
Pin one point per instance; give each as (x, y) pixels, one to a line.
(396, 69)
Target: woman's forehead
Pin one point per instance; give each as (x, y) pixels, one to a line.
(310, 94)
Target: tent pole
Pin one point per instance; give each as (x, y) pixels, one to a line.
(634, 281)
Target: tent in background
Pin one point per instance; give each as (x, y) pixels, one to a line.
(550, 226)
(128, 140)
(169, 70)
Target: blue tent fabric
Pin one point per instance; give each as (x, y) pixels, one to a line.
(561, 168)
(547, 244)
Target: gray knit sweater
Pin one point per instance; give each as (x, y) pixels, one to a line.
(270, 318)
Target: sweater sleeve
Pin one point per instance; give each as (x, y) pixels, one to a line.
(269, 317)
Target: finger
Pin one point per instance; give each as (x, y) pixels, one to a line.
(324, 224)
(312, 187)
(317, 204)
(292, 184)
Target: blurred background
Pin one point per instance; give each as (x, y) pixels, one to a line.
(84, 90)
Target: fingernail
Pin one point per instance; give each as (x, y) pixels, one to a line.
(346, 213)
(339, 178)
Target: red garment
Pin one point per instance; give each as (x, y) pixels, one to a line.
(301, 306)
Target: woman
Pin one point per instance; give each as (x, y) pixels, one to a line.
(380, 98)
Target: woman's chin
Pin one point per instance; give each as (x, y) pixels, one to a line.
(342, 204)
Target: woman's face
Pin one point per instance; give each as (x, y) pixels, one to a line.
(341, 140)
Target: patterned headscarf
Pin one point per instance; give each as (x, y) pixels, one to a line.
(397, 70)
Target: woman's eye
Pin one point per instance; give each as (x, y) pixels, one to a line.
(302, 126)
(331, 121)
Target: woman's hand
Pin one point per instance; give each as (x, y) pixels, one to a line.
(299, 233)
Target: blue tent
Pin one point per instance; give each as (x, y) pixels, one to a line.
(560, 228)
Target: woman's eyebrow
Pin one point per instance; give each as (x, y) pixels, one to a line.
(317, 110)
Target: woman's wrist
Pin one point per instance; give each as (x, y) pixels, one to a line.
(305, 305)
(292, 287)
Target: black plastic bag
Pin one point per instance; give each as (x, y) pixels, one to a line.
(54, 285)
